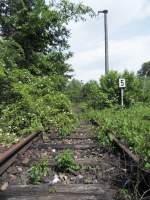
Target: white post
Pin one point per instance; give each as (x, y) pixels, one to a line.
(122, 85)
(122, 97)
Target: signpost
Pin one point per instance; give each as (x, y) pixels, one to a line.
(122, 85)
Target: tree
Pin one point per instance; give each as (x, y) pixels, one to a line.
(133, 90)
(106, 93)
(33, 68)
(145, 69)
(39, 28)
(94, 96)
(109, 85)
(74, 89)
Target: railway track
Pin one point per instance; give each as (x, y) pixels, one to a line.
(92, 183)
(95, 181)
(9, 157)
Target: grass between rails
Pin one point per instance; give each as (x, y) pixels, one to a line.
(65, 162)
(131, 126)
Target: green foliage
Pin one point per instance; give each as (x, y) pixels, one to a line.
(145, 69)
(33, 68)
(38, 112)
(109, 86)
(11, 53)
(94, 97)
(73, 90)
(129, 125)
(66, 162)
(146, 88)
(38, 171)
(147, 165)
(133, 91)
(106, 93)
(39, 27)
(7, 139)
(93, 117)
(32, 103)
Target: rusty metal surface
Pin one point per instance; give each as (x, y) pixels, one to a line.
(124, 148)
(8, 157)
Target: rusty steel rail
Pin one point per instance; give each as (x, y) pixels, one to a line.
(122, 146)
(9, 157)
(133, 156)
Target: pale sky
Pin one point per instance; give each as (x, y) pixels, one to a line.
(129, 38)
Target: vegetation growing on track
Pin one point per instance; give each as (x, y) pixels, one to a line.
(65, 161)
(38, 171)
(129, 125)
(100, 100)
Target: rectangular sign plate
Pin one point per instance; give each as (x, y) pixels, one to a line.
(122, 83)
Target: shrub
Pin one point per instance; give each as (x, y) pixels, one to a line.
(133, 90)
(66, 162)
(38, 171)
(44, 113)
(94, 97)
(109, 86)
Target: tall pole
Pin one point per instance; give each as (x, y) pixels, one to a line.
(106, 42)
(105, 12)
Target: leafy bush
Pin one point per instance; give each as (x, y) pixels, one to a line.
(130, 125)
(7, 139)
(109, 86)
(106, 93)
(33, 68)
(133, 90)
(66, 162)
(37, 105)
(44, 113)
(94, 97)
(38, 171)
(65, 123)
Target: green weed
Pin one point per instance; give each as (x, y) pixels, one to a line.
(128, 125)
(66, 162)
(38, 171)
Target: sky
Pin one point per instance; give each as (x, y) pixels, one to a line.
(129, 38)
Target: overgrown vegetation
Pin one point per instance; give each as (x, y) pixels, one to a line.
(129, 125)
(106, 92)
(33, 69)
(101, 102)
(38, 171)
(35, 87)
(65, 162)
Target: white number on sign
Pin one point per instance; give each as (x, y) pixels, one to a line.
(122, 83)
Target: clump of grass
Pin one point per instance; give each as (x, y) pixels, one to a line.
(65, 162)
(38, 171)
